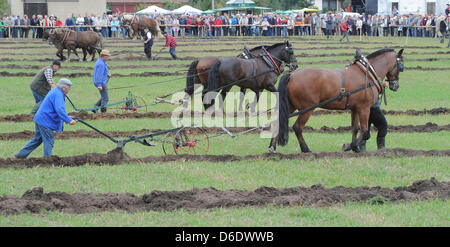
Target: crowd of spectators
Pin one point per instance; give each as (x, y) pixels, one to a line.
(210, 26)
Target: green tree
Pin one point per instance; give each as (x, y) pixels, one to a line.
(4, 7)
(171, 5)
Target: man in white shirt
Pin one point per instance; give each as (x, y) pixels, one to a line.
(148, 43)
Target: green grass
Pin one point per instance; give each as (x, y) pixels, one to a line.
(430, 213)
(243, 145)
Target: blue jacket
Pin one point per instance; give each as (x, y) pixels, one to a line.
(100, 77)
(52, 112)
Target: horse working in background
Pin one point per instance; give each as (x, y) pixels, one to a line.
(355, 87)
(138, 23)
(256, 74)
(199, 70)
(89, 41)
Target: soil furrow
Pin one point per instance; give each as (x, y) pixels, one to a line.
(425, 128)
(35, 200)
(117, 156)
(90, 116)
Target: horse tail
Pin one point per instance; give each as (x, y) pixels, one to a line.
(192, 76)
(213, 77)
(100, 42)
(283, 111)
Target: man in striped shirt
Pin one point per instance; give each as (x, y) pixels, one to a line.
(172, 43)
(42, 83)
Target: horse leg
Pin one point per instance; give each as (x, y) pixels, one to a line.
(68, 54)
(255, 101)
(206, 105)
(298, 127)
(241, 98)
(363, 115)
(354, 122)
(223, 95)
(84, 54)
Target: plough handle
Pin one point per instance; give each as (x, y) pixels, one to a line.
(99, 131)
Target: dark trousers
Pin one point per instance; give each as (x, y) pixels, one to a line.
(104, 98)
(148, 49)
(377, 118)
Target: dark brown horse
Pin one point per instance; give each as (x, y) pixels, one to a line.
(68, 39)
(255, 74)
(199, 70)
(305, 89)
(136, 25)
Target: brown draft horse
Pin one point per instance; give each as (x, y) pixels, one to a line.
(309, 86)
(88, 41)
(138, 23)
(199, 70)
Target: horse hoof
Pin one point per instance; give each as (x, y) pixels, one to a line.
(346, 147)
(271, 150)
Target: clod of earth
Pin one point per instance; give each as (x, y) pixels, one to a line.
(35, 200)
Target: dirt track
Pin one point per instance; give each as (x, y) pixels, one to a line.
(89, 116)
(428, 127)
(35, 200)
(117, 156)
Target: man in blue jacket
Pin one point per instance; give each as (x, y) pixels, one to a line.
(49, 118)
(100, 79)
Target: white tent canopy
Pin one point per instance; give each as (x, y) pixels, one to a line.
(186, 9)
(153, 10)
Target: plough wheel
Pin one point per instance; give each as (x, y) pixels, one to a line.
(136, 104)
(186, 141)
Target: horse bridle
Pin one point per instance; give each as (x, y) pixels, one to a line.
(290, 51)
(393, 83)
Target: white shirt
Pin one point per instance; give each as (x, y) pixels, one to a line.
(149, 35)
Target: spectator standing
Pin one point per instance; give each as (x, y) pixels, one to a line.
(218, 26)
(69, 23)
(80, 23)
(329, 25)
(265, 27)
(176, 27)
(115, 28)
(27, 24)
(183, 23)
(34, 23)
(291, 25)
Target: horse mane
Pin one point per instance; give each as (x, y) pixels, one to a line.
(267, 47)
(379, 52)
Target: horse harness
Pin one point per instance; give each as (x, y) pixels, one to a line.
(369, 71)
(270, 61)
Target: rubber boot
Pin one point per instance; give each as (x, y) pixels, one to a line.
(362, 146)
(103, 109)
(380, 143)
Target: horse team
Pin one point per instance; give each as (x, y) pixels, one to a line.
(348, 88)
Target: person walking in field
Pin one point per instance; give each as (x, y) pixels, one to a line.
(148, 43)
(42, 83)
(171, 43)
(344, 30)
(49, 118)
(100, 79)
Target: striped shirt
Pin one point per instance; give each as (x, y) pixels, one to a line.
(170, 41)
(49, 73)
